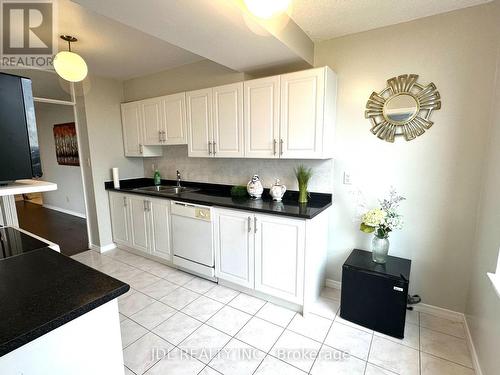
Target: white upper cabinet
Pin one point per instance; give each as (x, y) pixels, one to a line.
(134, 130)
(305, 131)
(152, 117)
(227, 138)
(261, 117)
(174, 115)
(199, 122)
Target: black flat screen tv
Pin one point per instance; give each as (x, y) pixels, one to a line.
(19, 151)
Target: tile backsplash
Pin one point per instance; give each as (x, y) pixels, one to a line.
(238, 171)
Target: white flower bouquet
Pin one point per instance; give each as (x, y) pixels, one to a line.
(383, 220)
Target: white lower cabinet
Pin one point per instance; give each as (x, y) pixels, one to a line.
(141, 223)
(261, 252)
(234, 246)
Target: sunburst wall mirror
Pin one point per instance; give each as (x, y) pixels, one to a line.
(403, 108)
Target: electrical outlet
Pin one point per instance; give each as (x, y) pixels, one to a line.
(347, 178)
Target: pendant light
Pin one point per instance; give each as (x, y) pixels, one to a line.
(267, 9)
(69, 65)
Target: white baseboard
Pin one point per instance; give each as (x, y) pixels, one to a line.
(103, 249)
(439, 312)
(63, 210)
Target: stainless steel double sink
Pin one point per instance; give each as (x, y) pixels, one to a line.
(166, 189)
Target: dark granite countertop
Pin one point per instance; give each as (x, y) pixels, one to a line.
(43, 290)
(219, 195)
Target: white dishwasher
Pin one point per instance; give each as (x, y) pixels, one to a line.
(192, 235)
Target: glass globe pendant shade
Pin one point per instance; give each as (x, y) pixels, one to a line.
(70, 66)
(267, 8)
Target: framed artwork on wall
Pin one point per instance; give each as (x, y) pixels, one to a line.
(66, 144)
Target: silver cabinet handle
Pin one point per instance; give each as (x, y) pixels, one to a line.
(213, 149)
(249, 224)
(124, 201)
(149, 205)
(209, 148)
(274, 146)
(141, 149)
(164, 135)
(145, 205)
(281, 146)
(160, 139)
(255, 224)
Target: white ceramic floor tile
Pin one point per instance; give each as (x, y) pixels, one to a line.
(178, 277)
(205, 343)
(177, 328)
(331, 293)
(176, 362)
(445, 346)
(157, 269)
(237, 358)
(260, 334)
(134, 303)
(159, 289)
(276, 314)
(354, 325)
(273, 366)
(202, 308)
(180, 298)
(295, 349)
(412, 317)
(131, 331)
(247, 303)
(142, 280)
(436, 366)
(222, 294)
(229, 320)
(127, 371)
(449, 327)
(375, 370)
(394, 357)
(325, 307)
(349, 340)
(313, 326)
(153, 315)
(411, 338)
(141, 355)
(209, 371)
(199, 285)
(332, 361)
(122, 317)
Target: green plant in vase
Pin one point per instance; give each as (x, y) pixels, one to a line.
(303, 175)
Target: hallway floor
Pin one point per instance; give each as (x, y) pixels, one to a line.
(68, 231)
(176, 323)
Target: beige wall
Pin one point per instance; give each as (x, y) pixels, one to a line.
(483, 305)
(440, 172)
(101, 102)
(188, 77)
(69, 193)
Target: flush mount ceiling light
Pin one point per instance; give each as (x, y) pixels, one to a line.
(69, 65)
(267, 8)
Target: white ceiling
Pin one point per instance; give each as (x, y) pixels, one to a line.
(326, 19)
(114, 50)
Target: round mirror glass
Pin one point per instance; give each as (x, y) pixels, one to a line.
(400, 108)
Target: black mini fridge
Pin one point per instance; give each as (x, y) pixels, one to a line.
(374, 295)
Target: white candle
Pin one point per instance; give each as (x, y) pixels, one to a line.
(116, 178)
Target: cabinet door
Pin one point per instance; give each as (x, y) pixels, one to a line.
(139, 223)
(174, 107)
(132, 133)
(301, 124)
(234, 247)
(152, 119)
(159, 214)
(279, 257)
(199, 122)
(228, 121)
(118, 206)
(261, 117)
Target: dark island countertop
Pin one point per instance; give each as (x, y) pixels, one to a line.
(219, 195)
(42, 290)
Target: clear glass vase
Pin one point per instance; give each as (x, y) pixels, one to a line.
(380, 249)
